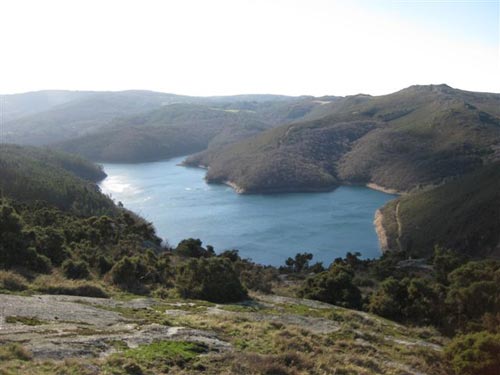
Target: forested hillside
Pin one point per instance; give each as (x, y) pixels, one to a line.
(81, 115)
(463, 214)
(172, 130)
(419, 136)
(180, 129)
(30, 174)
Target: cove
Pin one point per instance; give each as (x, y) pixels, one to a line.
(266, 228)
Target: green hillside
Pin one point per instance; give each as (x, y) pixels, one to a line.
(15, 106)
(80, 116)
(172, 130)
(463, 215)
(30, 174)
(417, 136)
(180, 129)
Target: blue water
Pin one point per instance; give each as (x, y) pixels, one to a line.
(265, 228)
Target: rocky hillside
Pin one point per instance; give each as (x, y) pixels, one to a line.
(266, 335)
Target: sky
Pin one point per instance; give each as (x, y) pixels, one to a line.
(225, 47)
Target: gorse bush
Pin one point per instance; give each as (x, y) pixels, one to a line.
(333, 286)
(12, 281)
(76, 269)
(212, 279)
(135, 273)
(475, 354)
(191, 248)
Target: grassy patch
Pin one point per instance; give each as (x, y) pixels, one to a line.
(26, 320)
(12, 281)
(160, 356)
(14, 352)
(56, 284)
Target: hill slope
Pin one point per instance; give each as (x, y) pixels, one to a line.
(81, 115)
(268, 335)
(180, 129)
(68, 182)
(463, 215)
(417, 136)
(19, 105)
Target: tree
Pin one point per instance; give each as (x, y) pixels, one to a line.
(444, 262)
(16, 243)
(473, 292)
(299, 263)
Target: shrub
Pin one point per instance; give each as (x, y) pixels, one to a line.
(76, 269)
(211, 279)
(14, 351)
(50, 242)
(103, 264)
(475, 353)
(192, 248)
(55, 284)
(258, 278)
(411, 299)
(333, 286)
(36, 262)
(12, 281)
(133, 273)
(123, 273)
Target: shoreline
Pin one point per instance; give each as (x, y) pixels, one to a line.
(374, 186)
(239, 190)
(236, 188)
(381, 232)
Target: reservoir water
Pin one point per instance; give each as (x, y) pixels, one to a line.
(266, 228)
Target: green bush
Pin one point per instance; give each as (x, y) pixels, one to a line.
(475, 354)
(334, 286)
(50, 242)
(211, 279)
(12, 281)
(123, 273)
(134, 273)
(192, 248)
(411, 299)
(76, 269)
(36, 262)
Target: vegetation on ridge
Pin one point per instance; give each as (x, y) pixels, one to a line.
(421, 135)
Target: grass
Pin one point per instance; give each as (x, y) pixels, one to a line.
(161, 356)
(26, 320)
(12, 281)
(56, 284)
(363, 344)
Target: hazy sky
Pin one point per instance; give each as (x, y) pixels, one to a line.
(219, 47)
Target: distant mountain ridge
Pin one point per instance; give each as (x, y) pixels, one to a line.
(98, 123)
